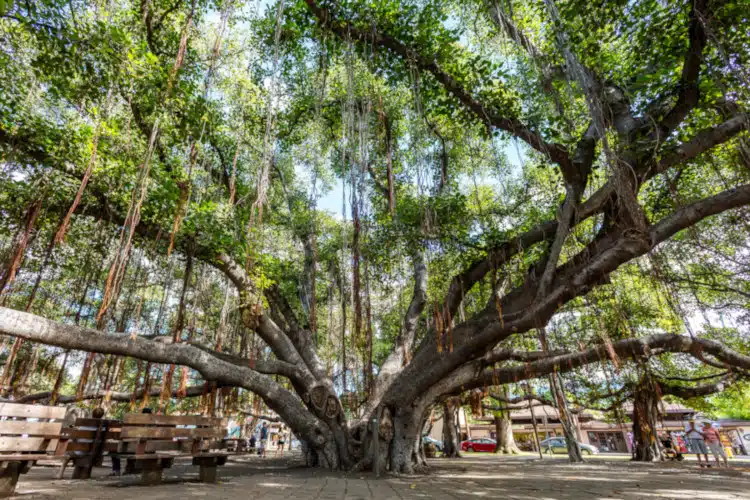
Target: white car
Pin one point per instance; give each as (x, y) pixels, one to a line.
(558, 445)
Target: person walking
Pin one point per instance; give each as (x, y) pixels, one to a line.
(264, 438)
(697, 444)
(280, 443)
(713, 441)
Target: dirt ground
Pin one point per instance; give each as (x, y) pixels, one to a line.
(473, 476)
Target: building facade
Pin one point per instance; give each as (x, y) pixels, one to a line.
(592, 428)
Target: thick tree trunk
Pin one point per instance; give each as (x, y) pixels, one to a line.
(451, 444)
(645, 416)
(566, 419)
(506, 444)
(404, 451)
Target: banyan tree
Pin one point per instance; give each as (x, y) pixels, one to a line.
(356, 211)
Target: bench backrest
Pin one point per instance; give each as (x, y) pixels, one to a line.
(92, 435)
(146, 433)
(29, 429)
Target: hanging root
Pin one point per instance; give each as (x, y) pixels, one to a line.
(180, 213)
(233, 178)
(65, 224)
(166, 388)
(7, 278)
(85, 375)
(146, 387)
(181, 391)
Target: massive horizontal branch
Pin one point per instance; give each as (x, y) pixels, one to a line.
(212, 368)
(116, 396)
(696, 391)
(512, 403)
(462, 283)
(260, 416)
(265, 366)
(498, 355)
(523, 311)
(621, 395)
(521, 399)
(695, 212)
(625, 349)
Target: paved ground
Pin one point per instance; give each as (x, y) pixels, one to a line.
(474, 476)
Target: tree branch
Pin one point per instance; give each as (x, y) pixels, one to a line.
(300, 337)
(462, 283)
(212, 368)
(277, 340)
(703, 141)
(398, 357)
(695, 212)
(688, 94)
(522, 310)
(119, 397)
(697, 391)
(488, 115)
(467, 377)
(265, 366)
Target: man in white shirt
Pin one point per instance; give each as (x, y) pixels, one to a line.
(697, 443)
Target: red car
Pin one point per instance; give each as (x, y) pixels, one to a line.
(479, 444)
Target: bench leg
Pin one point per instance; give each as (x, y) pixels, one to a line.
(82, 472)
(131, 467)
(61, 470)
(152, 474)
(9, 479)
(208, 473)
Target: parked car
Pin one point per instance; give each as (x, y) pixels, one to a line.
(432, 440)
(558, 445)
(479, 444)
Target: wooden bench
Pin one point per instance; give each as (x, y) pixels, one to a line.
(236, 445)
(150, 443)
(27, 433)
(86, 443)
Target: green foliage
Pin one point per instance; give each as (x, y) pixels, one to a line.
(337, 111)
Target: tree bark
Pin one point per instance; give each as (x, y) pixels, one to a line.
(451, 441)
(568, 425)
(506, 444)
(404, 449)
(645, 418)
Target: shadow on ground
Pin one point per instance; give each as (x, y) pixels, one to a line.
(474, 476)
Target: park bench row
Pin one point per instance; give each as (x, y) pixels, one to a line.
(147, 443)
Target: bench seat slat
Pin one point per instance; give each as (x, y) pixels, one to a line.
(71, 433)
(30, 456)
(95, 422)
(19, 427)
(170, 432)
(151, 446)
(32, 411)
(171, 420)
(37, 444)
